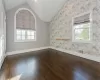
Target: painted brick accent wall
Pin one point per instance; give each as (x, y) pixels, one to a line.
(61, 26)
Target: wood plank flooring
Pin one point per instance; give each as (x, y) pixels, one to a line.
(50, 65)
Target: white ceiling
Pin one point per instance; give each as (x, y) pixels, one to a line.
(45, 9)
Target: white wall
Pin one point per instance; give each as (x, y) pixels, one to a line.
(2, 32)
(46, 9)
(2, 10)
(42, 30)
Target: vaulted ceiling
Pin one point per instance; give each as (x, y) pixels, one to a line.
(45, 9)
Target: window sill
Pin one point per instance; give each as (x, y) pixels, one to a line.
(24, 41)
(75, 41)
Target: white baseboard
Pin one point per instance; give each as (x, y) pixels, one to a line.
(86, 56)
(24, 51)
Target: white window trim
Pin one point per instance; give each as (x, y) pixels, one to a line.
(90, 32)
(15, 40)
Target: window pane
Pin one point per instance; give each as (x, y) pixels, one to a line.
(84, 25)
(82, 34)
(18, 31)
(32, 37)
(32, 32)
(28, 32)
(18, 37)
(23, 32)
(28, 37)
(23, 37)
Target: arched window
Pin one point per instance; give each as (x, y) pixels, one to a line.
(25, 23)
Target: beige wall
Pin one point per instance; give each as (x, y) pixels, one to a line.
(42, 30)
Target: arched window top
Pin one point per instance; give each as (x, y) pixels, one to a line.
(25, 19)
(25, 22)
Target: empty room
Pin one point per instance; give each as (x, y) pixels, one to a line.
(49, 39)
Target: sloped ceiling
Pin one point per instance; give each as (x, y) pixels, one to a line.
(45, 9)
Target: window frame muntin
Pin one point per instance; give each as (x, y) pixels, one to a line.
(26, 37)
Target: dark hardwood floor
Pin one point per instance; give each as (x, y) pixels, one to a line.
(50, 65)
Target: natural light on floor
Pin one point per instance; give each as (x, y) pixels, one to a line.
(16, 77)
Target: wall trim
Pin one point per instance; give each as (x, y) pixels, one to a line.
(86, 56)
(24, 51)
